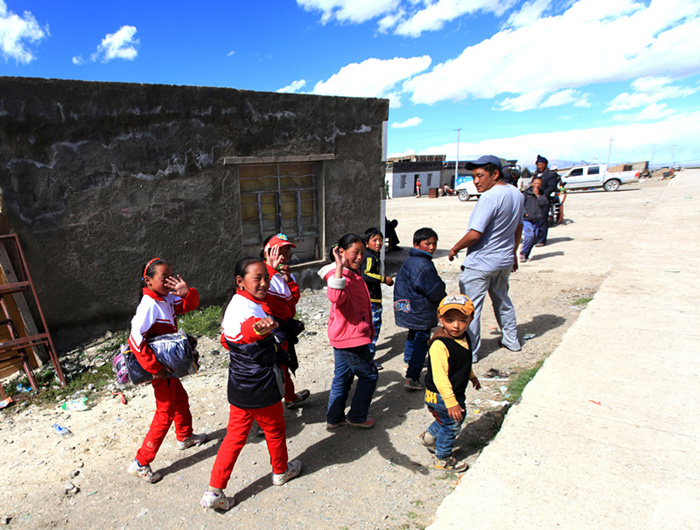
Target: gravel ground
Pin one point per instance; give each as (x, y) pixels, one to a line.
(352, 478)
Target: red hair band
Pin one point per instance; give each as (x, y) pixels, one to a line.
(148, 265)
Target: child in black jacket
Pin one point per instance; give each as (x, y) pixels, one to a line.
(371, 274)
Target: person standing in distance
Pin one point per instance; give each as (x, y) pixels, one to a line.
(550, 184)
(495, 230)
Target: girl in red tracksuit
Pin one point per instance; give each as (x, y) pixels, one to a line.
(255, 382)
(283, 297)
(163, 297)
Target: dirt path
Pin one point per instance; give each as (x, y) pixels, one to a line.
(352, 479)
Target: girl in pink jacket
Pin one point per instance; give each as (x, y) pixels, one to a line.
(350, 333)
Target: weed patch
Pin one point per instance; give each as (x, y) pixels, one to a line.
(202, 322)
(515, 389)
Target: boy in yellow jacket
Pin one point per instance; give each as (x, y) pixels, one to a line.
(449, 373)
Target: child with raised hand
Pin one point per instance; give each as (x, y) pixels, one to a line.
(371, 274)
(417, 292)
(255, 382)
(283, 298)
(163, 296)
(350, 333)
(449, 373)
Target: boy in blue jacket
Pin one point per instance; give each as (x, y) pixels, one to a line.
(418, 290)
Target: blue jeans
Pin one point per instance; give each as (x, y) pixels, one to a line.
(529, 237)
(415, 351)
(475, 284)
(377, 324)
(350, 363)
(444, 429)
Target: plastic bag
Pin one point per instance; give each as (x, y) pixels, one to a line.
(176, 351)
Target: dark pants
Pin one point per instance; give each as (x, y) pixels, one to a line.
(543, 227)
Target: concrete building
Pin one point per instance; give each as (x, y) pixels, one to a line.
(98, 178)
(402, 177)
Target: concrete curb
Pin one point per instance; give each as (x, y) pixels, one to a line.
(606, 435)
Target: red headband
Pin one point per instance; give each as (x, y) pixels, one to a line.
(148, 265)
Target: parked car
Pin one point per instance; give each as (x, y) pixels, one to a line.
(465, 188)
(597, 176)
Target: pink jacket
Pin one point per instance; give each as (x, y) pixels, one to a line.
(350, 320)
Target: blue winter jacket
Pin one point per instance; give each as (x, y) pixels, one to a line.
(418, 290)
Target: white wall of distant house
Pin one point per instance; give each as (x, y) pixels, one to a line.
(401, 183)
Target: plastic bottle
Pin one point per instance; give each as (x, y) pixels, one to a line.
(61, 431)
(76, 404)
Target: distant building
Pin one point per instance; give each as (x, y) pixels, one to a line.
(402, 177)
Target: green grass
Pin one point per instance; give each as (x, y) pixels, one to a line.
(202, 322)
(582, 301)
(515, 389)
(101, 377)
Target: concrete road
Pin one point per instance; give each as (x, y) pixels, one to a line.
(608, 433)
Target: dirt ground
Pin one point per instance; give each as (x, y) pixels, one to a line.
(377, 478)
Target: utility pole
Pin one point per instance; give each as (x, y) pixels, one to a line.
(610, 151)
(457, 161)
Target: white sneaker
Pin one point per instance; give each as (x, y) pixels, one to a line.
(217, 501)
(293, 469)
(195, 439)
(144, 472)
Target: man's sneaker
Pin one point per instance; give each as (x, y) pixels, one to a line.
(293, 469)
(427, 440)
(367, 424)
(144, 472)
(334, 426)
(195, 439)
(217, 501)
(412, 384)
(450, 464)
(301, 396)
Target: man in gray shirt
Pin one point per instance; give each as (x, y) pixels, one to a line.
(495, 229)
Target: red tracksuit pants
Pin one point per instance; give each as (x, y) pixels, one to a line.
(172, 404)
(271, 421)
(289, 393)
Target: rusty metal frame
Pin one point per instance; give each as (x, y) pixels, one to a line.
(20, 344)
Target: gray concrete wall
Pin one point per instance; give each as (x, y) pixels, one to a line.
(97, 178)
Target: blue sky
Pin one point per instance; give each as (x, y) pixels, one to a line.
(556, 77)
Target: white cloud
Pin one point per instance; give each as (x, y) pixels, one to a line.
(404, 17)
(229, 54)
(394, 99)
(648, 90)
(594, 41)
(567, 96)
(531, 100)
(411, 122)
(434, 16)
(528, 14)
(653, 111)
(17, 33)
(78, 60)
(294, 86)
(119, 45)
(356, 11)
(372, 77)
(633, 142)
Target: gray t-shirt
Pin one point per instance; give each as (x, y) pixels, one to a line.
(497, 215)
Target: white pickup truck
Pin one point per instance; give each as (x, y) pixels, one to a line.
(583, 177)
